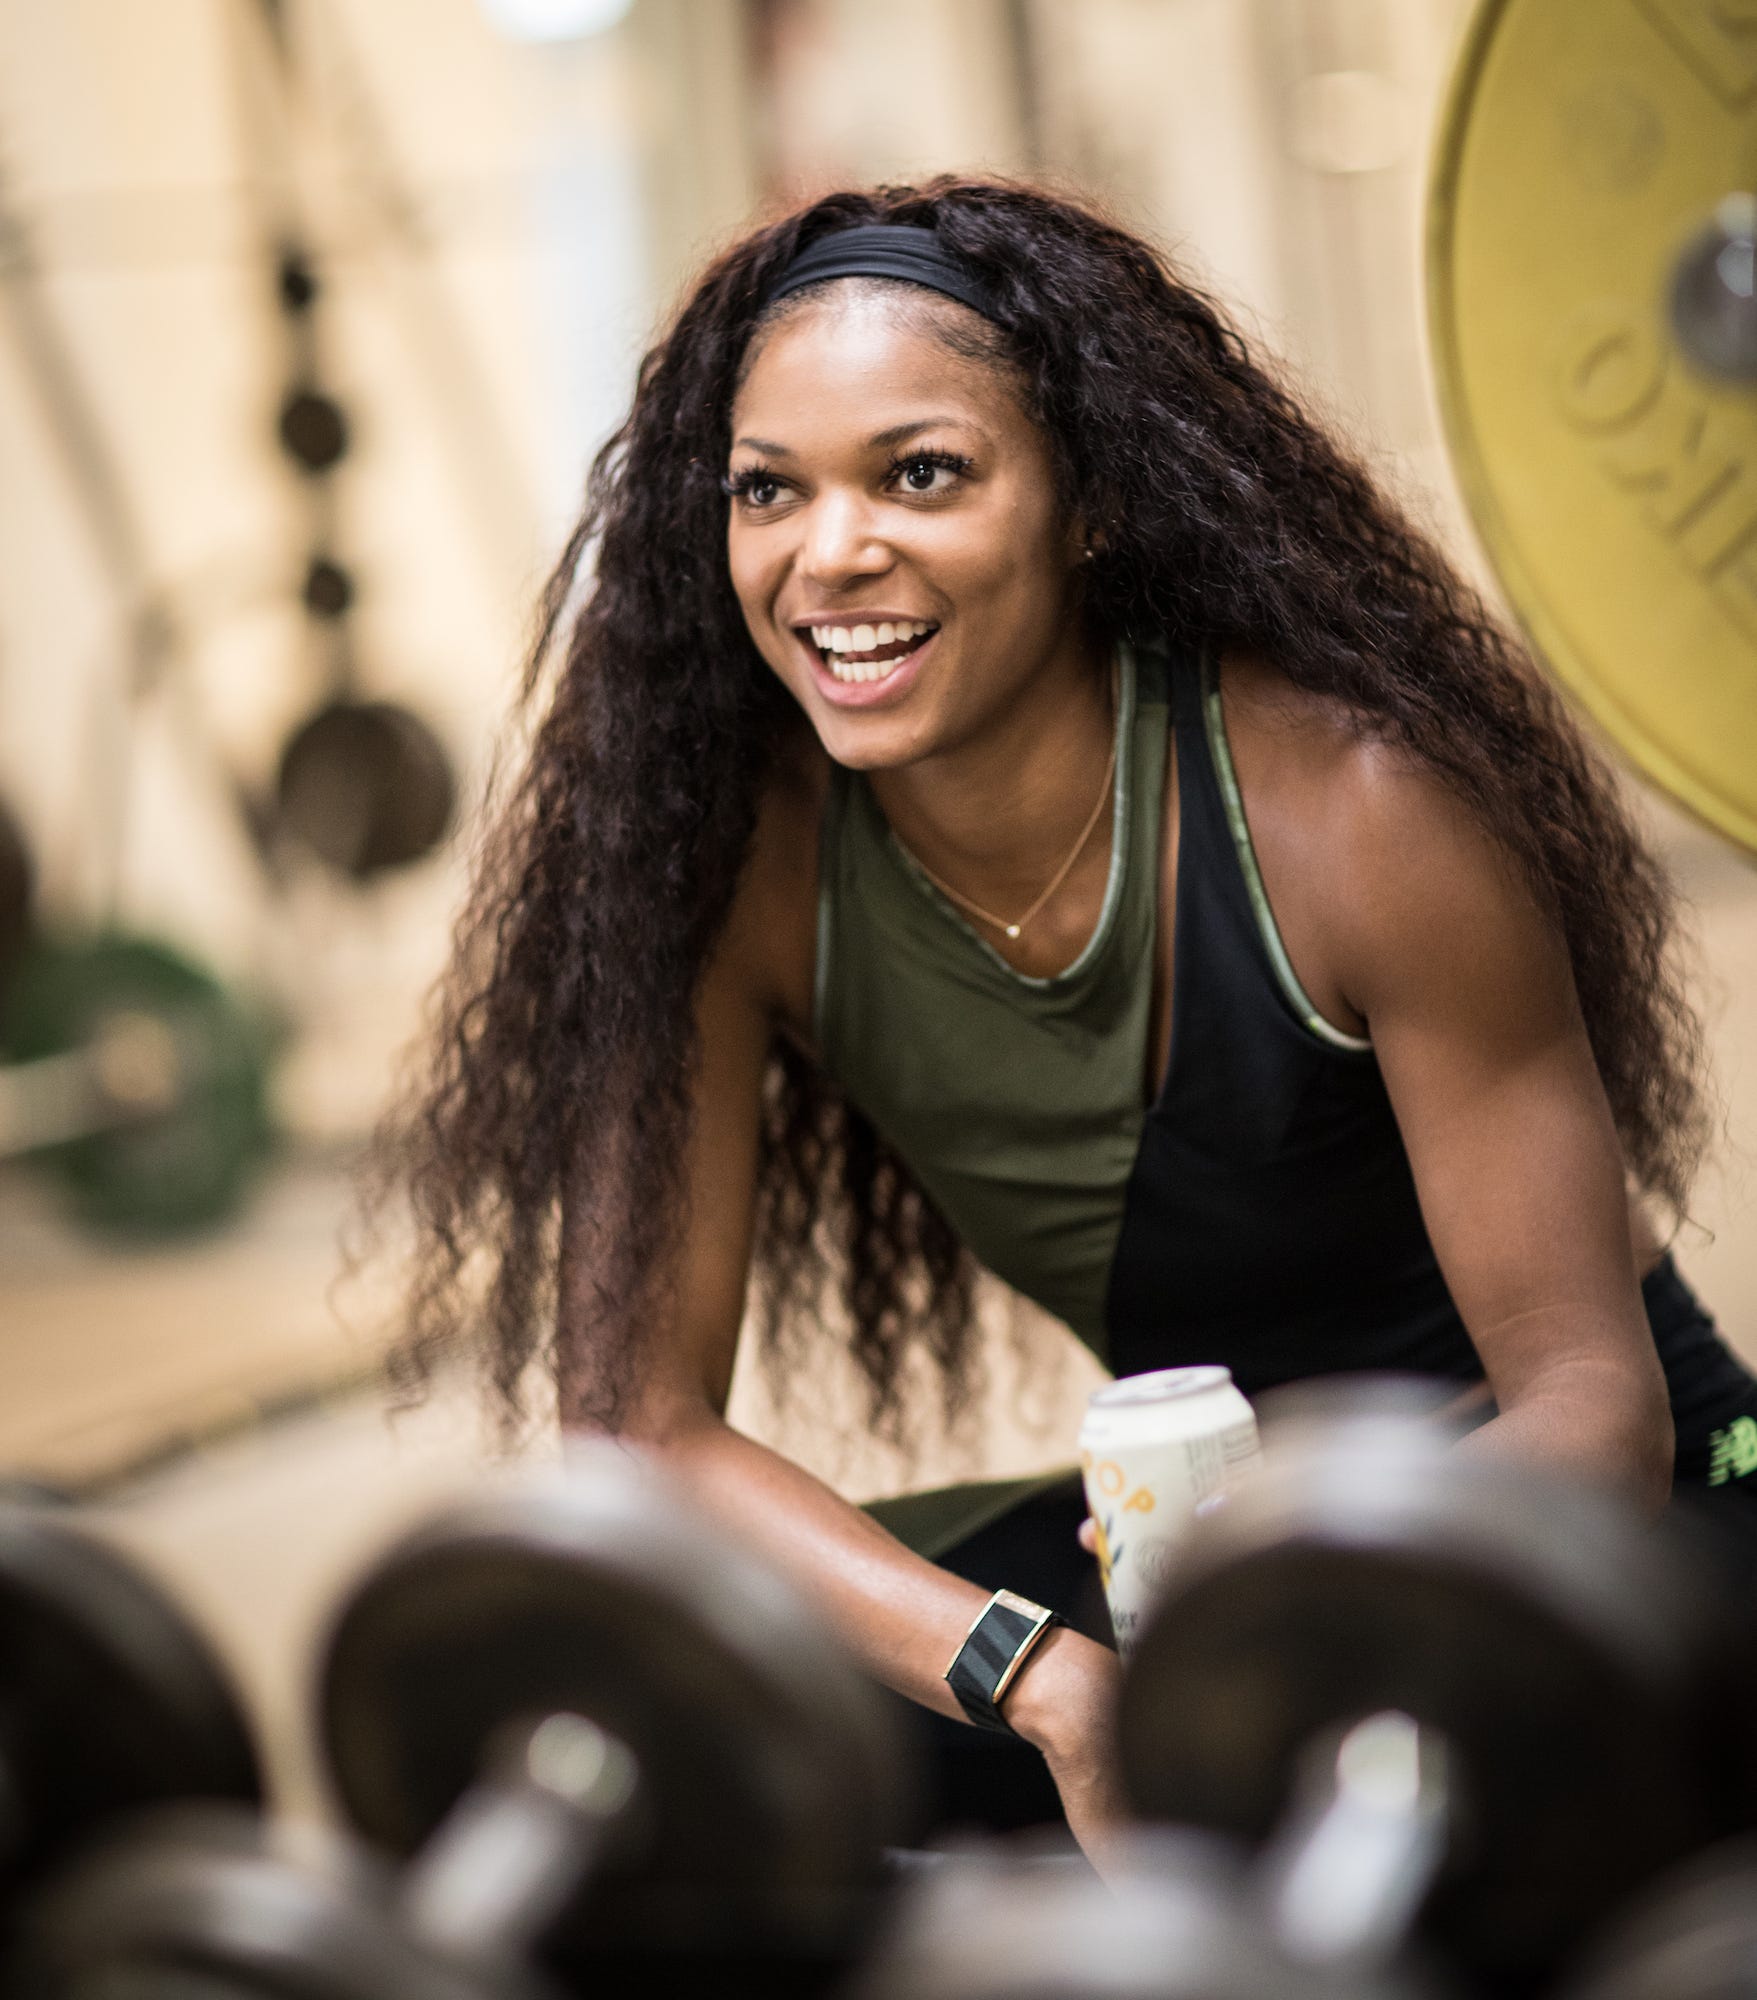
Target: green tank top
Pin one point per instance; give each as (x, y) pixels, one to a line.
(1017, 1101)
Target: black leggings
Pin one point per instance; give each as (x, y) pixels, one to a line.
(1714, 1405)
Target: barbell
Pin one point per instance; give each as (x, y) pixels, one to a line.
(137, 1078)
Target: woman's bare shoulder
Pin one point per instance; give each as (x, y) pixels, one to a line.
(1315, 777)
(1368, 856)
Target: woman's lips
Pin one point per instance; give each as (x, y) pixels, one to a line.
(867, 694)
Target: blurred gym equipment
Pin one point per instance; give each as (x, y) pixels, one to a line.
(612, 1743)
(153, 637)
(1173, 1919)
(313, 78)
(1426, 1686)
(207, 1908)
(1694, 1938)
(597, 1722)
(136, 1079)
(366, 786)
(110, 1701)
(1423, 1723)
(1714, 293)
(18, 882)
(1593, 316)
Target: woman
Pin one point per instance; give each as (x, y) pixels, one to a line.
(1013, 787)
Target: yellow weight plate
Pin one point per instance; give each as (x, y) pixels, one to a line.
(1583, 143)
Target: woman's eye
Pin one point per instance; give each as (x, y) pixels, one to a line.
(753, 487)
(925, 475)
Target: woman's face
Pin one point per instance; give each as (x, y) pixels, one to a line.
(894, 534)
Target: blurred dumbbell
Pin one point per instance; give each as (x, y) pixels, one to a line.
(612, 1744)
(1693, 1938)
(1429, 1687)
(214, 1907)
(110, 1702)
(1173, 1919)
(594, 1720)
(135, 1077)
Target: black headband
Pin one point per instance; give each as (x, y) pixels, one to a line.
(886, 250)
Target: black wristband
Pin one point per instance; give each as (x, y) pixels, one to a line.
(994, 1650)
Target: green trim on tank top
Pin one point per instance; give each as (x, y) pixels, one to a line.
(1296, 996)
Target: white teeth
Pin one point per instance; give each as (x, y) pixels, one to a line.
(863, 638)
(834, 640)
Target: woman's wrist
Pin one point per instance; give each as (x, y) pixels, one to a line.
(1062, 1699)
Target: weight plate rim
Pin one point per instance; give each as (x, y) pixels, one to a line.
(1693, 1933)
(1650, 762)
(37, 1553)
(1325, 1495)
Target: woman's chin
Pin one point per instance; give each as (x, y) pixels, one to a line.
(872, 742)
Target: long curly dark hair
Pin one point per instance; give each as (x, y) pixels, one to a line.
(560, 1067)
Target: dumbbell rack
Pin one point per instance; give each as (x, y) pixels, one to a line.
(1375, 1732)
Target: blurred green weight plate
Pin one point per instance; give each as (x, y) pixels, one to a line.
(174, 1171)
(1583, 144)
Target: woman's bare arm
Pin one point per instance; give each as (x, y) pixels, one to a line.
(1408, 921)
(1474, 1017)
(900, 1615)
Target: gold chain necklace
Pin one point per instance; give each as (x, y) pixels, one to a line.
(1001, 924)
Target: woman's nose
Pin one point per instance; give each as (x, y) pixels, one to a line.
(841, 543)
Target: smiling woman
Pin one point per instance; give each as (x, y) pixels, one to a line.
(878, 478)
(1013, 789)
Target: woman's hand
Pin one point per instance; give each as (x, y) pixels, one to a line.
(1064, 1702)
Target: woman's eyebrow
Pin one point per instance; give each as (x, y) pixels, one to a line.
(879, 441)
(882, 440)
